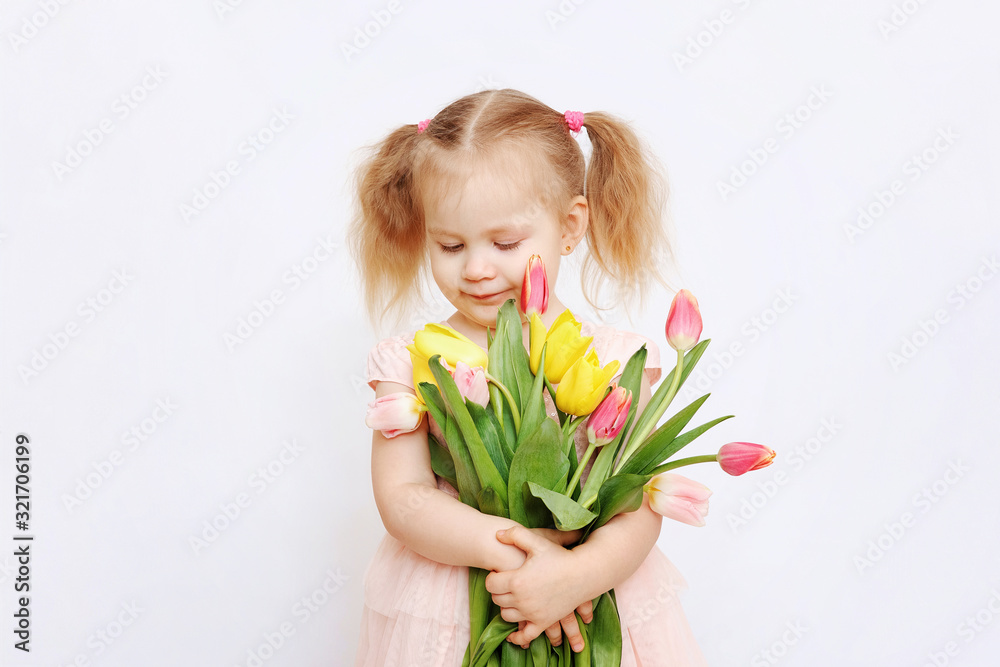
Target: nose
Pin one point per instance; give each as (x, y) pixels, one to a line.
(478, 266)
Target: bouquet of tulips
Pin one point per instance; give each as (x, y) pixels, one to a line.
(507, 457)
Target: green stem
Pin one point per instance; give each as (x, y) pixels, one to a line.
(670, 465)
(569, 430)
(579, 469)
(637, 437)
(510, 400)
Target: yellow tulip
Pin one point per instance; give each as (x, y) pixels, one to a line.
(565, 346)
(450, 344)
(583, 386)
(537, 333)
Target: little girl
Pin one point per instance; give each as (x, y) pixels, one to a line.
(472, 193)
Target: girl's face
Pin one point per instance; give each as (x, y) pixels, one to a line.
(479, 243)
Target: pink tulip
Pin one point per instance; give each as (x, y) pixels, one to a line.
(535, 288)
(683, 321)
(396, 413)
(472, 383)
(737, 458)
(679, 498)
(608, 419)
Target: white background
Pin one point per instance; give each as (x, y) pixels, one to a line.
(817, 543)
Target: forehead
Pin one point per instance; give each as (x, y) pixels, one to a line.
(486, 197)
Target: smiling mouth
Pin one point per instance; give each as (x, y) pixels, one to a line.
(486, 297)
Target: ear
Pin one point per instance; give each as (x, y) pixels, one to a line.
(575, 222)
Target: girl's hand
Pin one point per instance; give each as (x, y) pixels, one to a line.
(524, 635)
(543, 592)
(563, 538)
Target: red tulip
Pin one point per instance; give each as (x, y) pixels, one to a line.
(679, 498)
(535, 288)
(737, 458)
(607, 421)
(683, 321)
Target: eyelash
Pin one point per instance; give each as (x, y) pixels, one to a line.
(502, 246)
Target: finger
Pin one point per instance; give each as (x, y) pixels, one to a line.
(572, 630)
(586, 611)
(523, 539)
(531, 631)
(510, 637)
(497, 582)
(511, 615)
(504, 600)
(554, 633)
(526, 635)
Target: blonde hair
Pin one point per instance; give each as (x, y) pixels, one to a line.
(624, 187)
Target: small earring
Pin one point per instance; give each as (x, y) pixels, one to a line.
(568, 248)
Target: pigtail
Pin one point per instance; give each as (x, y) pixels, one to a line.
(386, 233)
(627, 193)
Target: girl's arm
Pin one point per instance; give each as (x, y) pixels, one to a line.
(424, 518)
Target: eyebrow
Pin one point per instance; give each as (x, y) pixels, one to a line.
(520, 229)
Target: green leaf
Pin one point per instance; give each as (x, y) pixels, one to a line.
(534, 411)
(479, 604)
(690, 361)
(442, 462)
(489, 430)
(490, 639)
(622, 493)
(507, 343)
(540, 459)
(468, 483)
(660, 439)
(509, 435)
(683, 439)
(583, 658)
(486, 470)
(512, 655)
(490, 503)
(606, 633)
(567, 513)
(539, 649)
(434, 402)
(517, 356)
(552, 394)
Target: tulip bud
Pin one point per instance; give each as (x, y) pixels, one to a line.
(683, 321)
(679, 498)
(396, 413)
(737, 458)
(535, 288)
(607, 421)
(472, 384)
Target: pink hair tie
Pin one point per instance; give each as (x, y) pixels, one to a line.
(422, 125)
(574, 119)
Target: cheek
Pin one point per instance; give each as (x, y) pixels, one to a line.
(439, 271)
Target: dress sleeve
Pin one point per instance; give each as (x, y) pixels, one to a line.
(621, 345)
(390, 360)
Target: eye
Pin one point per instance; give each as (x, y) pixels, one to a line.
(451, 248)
(509, 246)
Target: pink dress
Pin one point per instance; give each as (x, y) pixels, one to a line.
(416, 611)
